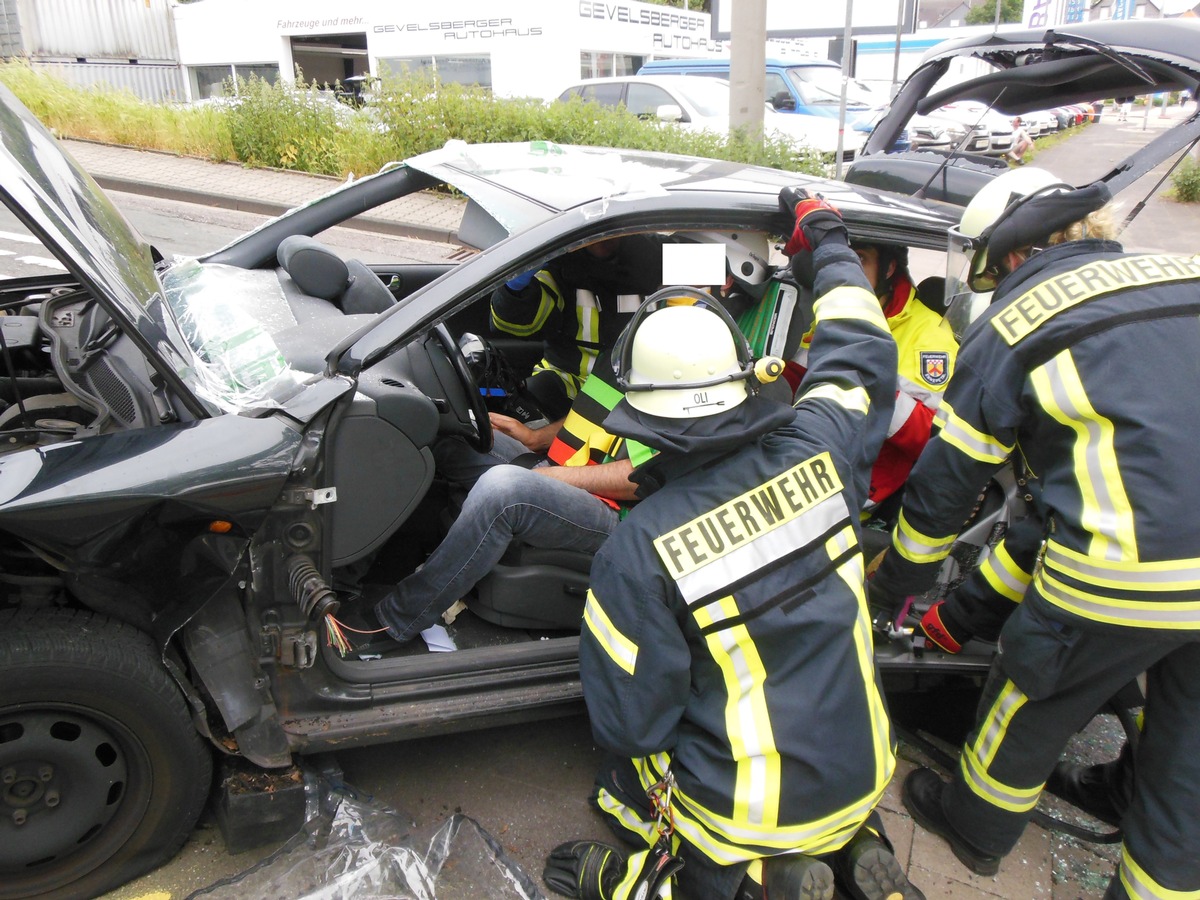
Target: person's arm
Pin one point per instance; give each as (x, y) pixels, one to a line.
(633, 661)
(610, 479)
(849, 390)
(524, 305)
(536, 440)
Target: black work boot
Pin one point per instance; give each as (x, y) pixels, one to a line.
(922, 796)
(866, 869)
(1103, 791)
(796, 877)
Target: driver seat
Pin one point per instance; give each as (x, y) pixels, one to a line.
(538, 588)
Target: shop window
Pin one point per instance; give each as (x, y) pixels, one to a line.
(210, 81)
(460, 69)
(595, 64)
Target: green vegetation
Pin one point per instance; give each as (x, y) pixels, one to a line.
(304, 129)
(985, 13)
(1186, 181)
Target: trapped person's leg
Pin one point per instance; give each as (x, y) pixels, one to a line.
(507, 502)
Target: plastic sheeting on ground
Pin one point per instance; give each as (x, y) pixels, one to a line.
(351, 847)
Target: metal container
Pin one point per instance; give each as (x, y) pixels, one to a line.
(95, 30)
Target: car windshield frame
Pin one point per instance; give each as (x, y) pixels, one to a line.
(64, 208)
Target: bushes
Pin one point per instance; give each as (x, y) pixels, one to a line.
(117, 117)
(1187, 181)
(298, 127)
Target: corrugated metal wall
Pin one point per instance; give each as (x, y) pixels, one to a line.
(10, 29)
(154, 83)
(97, 29)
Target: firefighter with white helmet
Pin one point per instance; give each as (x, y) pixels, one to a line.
(733, 588)
(1062, 372)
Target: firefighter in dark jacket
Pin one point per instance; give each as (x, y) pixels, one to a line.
(1050, 372)
(726, 652)
(578, 305)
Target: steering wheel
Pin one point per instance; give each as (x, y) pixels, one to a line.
(479, 433)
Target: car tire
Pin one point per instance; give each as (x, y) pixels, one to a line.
(102, 773)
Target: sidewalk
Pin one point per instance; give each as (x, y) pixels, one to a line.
(268, 192)
(1044, 865)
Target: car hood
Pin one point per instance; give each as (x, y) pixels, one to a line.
(64, 208)
(1077, 63)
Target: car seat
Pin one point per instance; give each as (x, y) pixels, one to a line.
(319, 272)
(534, 587)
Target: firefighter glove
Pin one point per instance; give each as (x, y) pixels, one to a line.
(816, 220)
(586, 870)
(518, 284)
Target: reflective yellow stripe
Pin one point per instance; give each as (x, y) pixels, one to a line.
(1005, 576)
(977, 757)
(1107, 514)
(963, 436)
(629, 818)
(1140, 886)
(1179, 615)
(853, 574)
(619, 648)
(747, 720)
(851, 303)
(917, 547)
(853, 399)
(736, 529)
(1130, 575)
(727, 842)
(551, 298)
(1035, 307)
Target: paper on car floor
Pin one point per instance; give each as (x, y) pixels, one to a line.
(438, 640)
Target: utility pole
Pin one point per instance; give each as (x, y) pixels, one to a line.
(748, 65)
(847, 45)
(896, 61)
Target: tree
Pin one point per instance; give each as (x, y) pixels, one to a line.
(985, 13)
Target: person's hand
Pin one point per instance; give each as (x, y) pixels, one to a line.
(536, 440)
(588, 870)
(518, 284)
(816, 220)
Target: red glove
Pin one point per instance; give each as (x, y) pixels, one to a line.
(816, 219)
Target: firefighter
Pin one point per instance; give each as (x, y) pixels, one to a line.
(578, 304)
(926, 349)
(726, 652)
(1117, 589)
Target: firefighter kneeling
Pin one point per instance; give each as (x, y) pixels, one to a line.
(726, 653)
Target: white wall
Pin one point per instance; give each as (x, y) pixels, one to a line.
(534, 44)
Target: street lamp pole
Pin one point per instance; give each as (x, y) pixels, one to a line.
(747, 63)
(846, 47)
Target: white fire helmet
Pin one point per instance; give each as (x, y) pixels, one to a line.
(682, 357)
(984, 211)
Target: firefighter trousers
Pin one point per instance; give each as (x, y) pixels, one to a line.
(1048, 681)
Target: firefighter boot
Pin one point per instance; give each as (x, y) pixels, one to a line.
(922, 796)
(1103, 791)
(865, 869)
(796, 877)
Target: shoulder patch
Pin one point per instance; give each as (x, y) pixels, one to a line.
(935, 367)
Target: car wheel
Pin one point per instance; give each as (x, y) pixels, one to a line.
(102, 774)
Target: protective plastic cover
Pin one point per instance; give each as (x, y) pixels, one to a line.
(351, 847)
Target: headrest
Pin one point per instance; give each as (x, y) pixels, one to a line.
(315, 268)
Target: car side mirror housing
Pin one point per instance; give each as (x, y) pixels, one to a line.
(669, 112)
(784, 101)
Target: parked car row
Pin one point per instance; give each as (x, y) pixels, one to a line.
(702, 104)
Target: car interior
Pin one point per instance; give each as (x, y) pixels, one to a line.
(406, 402)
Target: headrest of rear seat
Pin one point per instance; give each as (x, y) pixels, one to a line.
(315, 268)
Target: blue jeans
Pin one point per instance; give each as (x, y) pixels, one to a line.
(461, 464)
(507, 503)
